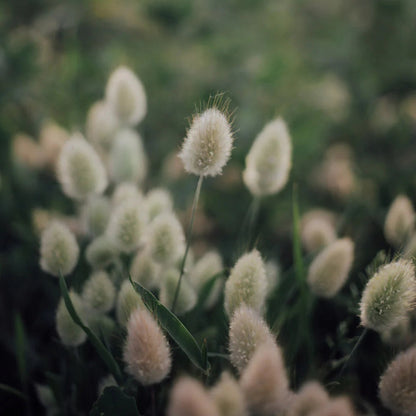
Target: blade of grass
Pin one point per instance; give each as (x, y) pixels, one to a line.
(20, 344)
(95, 341)
(13, 391)
(174, 327)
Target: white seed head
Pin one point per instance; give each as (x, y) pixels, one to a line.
(186, 298)
(317, 230)
(247, 332)
(58, 249)
(95, 215)
(207, 146)
(312, 396)
(127, 225)
(398, 384)
(126, 191)
(189, 398)
(80, 170)
(165, 239)
(126, 96)
(146, 352)
(98, 292)
(247, 284)
(341, 406)
(145, 270)
(389, 295)
(272, 274)
(399, 221)
(102, 124)
(209, 265)
(228, 396)
(128, 300)
(101, 252)
(107, 381)
(269, 160)
(401, 336)
(329, 271)
(47, 398)
(158, 201)
(127, 161)
(69, 332)
(264, 381)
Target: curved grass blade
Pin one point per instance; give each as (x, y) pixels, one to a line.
(297, 247)
(13, 391)
(95, 341)
(174, 327)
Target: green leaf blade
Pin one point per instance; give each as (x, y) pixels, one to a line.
(114, 402)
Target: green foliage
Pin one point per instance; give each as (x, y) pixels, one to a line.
(114, 402)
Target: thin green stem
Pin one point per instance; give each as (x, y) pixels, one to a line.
(188, 240)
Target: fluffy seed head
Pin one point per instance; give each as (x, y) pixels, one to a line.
(228, 397)
(189, 398)
(96, 214)
(398, 384)
(207, 146)
(165, 239)
(389, 295)
(126, 96)
(146, 352)
(269, 160)
(80, 170)
(126, 191)
(98, 292)
(128, 300)
(329, 270)
(312, 396)
(69, 332)
(126, 226)
(101, 252)
(158, 201)
(186, 298)
(107, 381)
(102, 124)
(247, 283)
(58, 249)
(145, 271)
(247, 332)
(399, 221)
(317, 230)
(340, 406)
(128, 161)
(264, 381)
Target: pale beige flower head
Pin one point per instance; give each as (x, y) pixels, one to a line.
(126, 191)
(128, 300)
(399, 221)
(208, 143)
(95, 215)
(189, 398)
(98, 292)
(312, 396)
(388, 296)
(126, 96)
(269, 160)
(146, 352)
(158, 201)
(329, 271)
(101, 252)
(340, 406)
(145, 270)
(317, 229)
(52, 139)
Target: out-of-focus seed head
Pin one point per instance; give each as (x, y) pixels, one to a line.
(401, 336)
(28, 152)
(208, 143)
(329, 270)
(69, 332)
(165, 239)
(127, 225)
(247, 332)
(186, 298)
(107, 381)
(247, 284)
(127, 191)
(145, 271)
(389, 295)
(95, 214)
(52, 139)
(47, 398)
(272, 275)
(317, 230)
(102, 124)
(399, 221)
(146, 352)
(80, 170)
(128, 161)
(341, 406)
(58, 249)
(312, 396)
(409, 251)
(126, 96)
(264, 381)
(189, 398)
(398, 384)
(98, 292)
(101, 252)
(128, 300)
(269, 160)
(102, 325)
(158, 201)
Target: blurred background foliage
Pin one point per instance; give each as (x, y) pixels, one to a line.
(337, 71)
